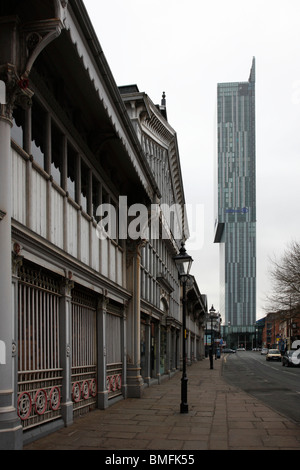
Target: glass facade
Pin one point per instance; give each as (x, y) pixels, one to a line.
(237, 200)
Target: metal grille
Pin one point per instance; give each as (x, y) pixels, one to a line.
(114, 355)
(39, 372)
(84, 353)
(114, 380)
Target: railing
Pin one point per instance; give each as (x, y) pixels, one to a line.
(84, 353)
(39, 372)
(114, 380)
(39, 396)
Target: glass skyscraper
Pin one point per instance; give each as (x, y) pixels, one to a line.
(235, 228)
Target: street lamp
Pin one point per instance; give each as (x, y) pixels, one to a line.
(211, 358)
(183, 263)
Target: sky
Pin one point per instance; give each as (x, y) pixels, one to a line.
(185, 49)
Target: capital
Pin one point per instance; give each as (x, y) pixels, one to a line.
(17, 91)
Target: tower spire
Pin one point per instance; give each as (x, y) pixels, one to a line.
(163, 107)
(252, 71)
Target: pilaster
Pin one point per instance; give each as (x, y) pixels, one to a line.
(20, 45)
(147, 377)
(102, 392)
(124, 351)
(65, 329)
(134, 378)
(169, 350)
(17, 262)
(10, 427)
(158, 343)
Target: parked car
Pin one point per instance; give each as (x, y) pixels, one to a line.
(241, 349)
(291, 358)
(264, 351)
(228, 350)
(273, 355)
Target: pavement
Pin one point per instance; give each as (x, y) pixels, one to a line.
(220, 417)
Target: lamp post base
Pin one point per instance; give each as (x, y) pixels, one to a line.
(184, 408)
(211, 359)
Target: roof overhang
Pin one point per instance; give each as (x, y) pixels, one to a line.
(219, 232)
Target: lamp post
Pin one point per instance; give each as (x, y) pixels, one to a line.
(183, 262)
(211, 353)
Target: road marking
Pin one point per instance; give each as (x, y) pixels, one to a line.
(291, 373)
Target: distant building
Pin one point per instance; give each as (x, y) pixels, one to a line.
(282, 329)
(235, 226)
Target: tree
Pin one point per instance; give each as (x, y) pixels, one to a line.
(285, 275)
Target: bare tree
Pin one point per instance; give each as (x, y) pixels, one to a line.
(285, 275)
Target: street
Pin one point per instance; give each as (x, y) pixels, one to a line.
(274, 385)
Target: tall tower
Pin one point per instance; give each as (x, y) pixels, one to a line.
(236, 212)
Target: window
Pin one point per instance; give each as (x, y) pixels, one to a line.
(95, 196)
(71, 172)
(56, 154)
(84, 186)
(38, 133)
(18, 126)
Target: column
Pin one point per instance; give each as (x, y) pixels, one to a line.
(13, 55)
(17, 261)
(102, 392)
(65, 331)
(176, 350)
(134, 378)
(169, 350)
(147, 376)
(11, 436)
(158, 341)
(124, 352)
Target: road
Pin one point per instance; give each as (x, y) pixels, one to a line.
(276, 386)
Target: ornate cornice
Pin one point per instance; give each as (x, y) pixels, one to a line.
(36, 36)
(149, 121)
(17, 90)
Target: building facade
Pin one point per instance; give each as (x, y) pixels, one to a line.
(282, 330)
(236, 212)
(90, 306)
(160, 305)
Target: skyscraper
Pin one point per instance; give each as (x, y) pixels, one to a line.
(236, 211)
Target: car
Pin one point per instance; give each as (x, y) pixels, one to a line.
(273, 355)
(241, 349)
(264, 351)
(291, 358)
(228, 350)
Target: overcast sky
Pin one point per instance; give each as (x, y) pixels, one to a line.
(184, 49)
